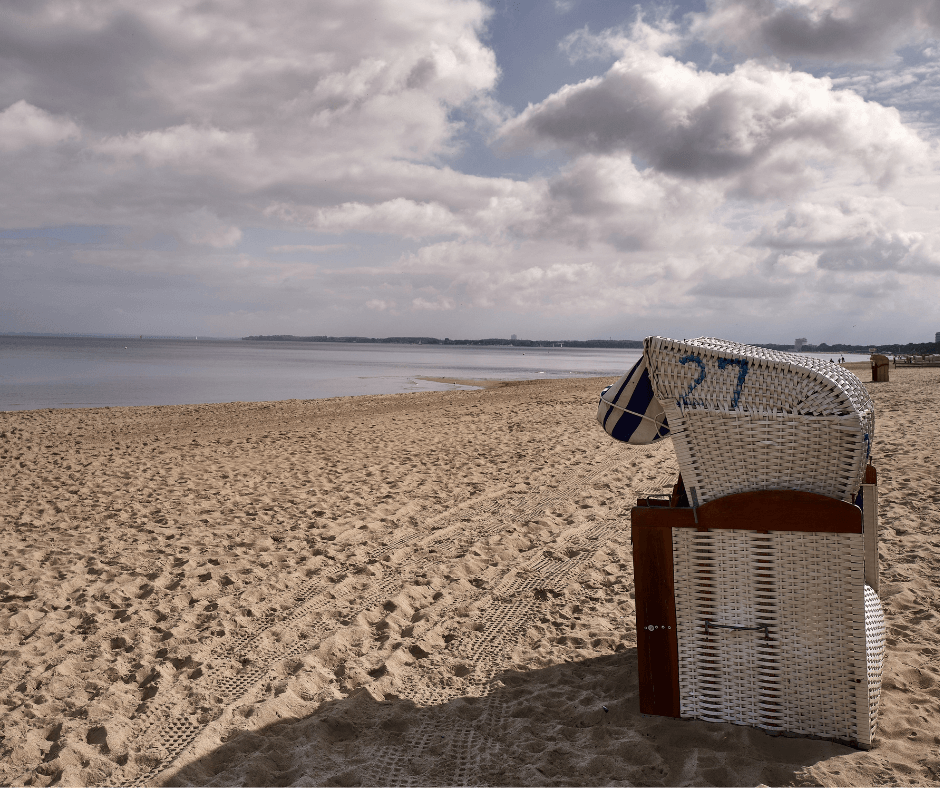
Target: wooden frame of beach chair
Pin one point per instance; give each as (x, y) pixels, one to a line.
(754, 609)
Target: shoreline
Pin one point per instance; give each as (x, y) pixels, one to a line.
(120, 373)
(858, 367)
(469, 384)
(433, 587)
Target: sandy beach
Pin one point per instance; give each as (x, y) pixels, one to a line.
(412, 589)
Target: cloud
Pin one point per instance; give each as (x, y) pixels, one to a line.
(878, 254)
(179, 145)
(534, 275)
(764, 127)
(316, 248)
(405, 218)
(854, 235)
(816, 226)
(203, 227)
(591, 199)
(829, 30)
(606, 198)
(438, 304)
(23, 126)
(172, 106)
(750, 288)
(677, 197)
(662, 35)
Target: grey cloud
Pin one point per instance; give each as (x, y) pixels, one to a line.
(872, 288)
(748, 288)
(97, 70)
(145, 114)
(606, 199)
(763, 126)
(850, 30)
(856, 236)
(121, 66)
(594, 199)
(880, 254)
(814, 226)
(422, 73)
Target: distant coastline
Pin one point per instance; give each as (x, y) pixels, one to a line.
(73, 335)
(913, 348)
(633, 344)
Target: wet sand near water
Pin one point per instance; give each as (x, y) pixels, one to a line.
(413, 589)
(482, 383)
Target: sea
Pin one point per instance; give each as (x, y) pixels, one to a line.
(88, 372)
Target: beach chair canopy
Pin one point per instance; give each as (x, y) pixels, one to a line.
(744, 418)
(629, 412)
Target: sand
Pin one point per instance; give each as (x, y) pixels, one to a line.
(414, 589)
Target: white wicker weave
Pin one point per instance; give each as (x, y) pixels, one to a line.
(744, 418)
(812, 663)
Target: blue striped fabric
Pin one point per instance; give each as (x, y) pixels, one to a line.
(629, 412)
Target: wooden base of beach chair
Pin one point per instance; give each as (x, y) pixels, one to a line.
(754, 609)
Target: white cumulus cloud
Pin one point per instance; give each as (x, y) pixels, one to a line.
(179, 145)
(764, 127)
(23, 126)
(237, 106)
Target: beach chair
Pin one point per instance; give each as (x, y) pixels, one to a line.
(879, 368)
(756, 580)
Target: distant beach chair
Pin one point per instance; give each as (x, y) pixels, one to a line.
(757, 601)
(879, 368)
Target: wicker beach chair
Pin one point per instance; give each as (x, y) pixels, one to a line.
(756, 599)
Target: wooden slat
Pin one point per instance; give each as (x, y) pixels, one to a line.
(657, 644)
(765, 510)
(870, 514)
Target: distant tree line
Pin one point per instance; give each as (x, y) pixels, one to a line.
(596, 343)
(911, 348)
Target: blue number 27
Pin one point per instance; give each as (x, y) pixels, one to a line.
(741, 364)
(723, 363)
(684, 399)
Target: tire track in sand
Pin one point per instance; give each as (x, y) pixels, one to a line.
(510, 607)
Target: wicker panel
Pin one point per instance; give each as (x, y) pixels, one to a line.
(744, 418)
(811, 663)
(875, 628)
(727, 578)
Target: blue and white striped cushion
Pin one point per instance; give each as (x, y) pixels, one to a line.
(629, 412)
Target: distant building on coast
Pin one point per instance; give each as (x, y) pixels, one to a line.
(798, 343)
(513, 338)
(936, 337)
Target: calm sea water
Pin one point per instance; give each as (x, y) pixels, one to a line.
(79, 372)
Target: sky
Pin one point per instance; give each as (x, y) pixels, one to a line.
(755, 170)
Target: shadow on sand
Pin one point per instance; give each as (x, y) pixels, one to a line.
(576, 723)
